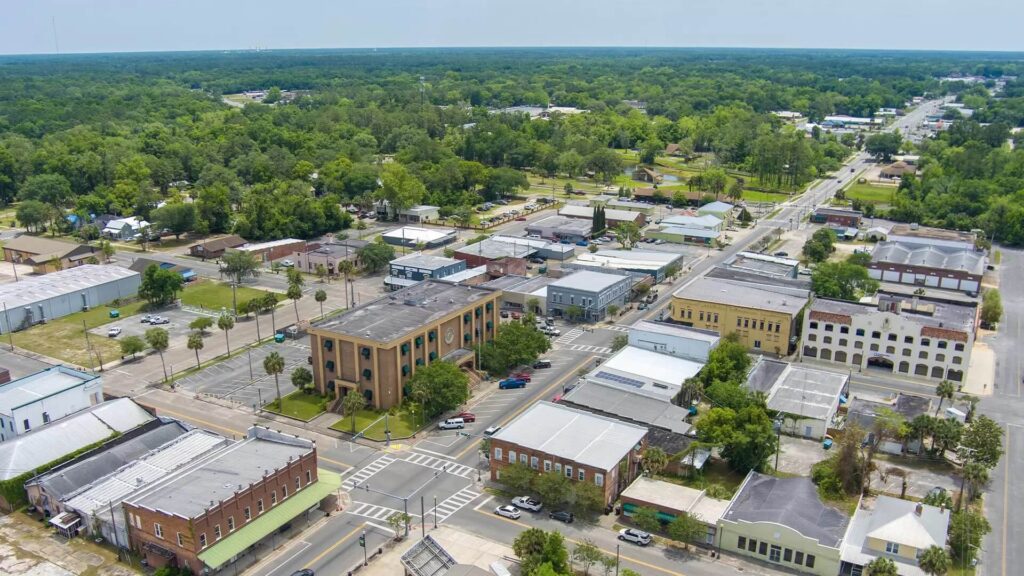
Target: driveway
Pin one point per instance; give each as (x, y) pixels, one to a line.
(133, 325)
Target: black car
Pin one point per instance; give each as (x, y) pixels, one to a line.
(303, 572)
(541, 364)
(562, 516)
(536, 260)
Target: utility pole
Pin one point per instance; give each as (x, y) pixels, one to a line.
(88, 345)
(423, 520)
(362, 543)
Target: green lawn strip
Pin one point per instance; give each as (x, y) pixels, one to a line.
(299, 405)
(64, 338)
(870, 194)
(216, 295)
(371, 423)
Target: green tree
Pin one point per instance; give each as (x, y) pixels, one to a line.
(552, 487)
(991, 306)
(587, 497)
(746, 437)
(518, 477)
(650, 150)
(502, 182)
(586, 554)
(195, 343)
(201, 324)
(881, 566)
(376, 256)
(159, 286)
(570, 162)
(535, 547)
(575, 313)
(351, 404)
(515, 344)
(619, 341)
(132, 345)
(159, 340)
(273, 365)
(321, 272)
(883, 146)
(646, 519)
(32, 214)
(655, 460)
(226, 322)
(179, 218)
(842, 280)
(944, 391)
(982, 442)
(687, 528)
(397, 522)
(320, 297)
(239, 265)
(628, 234)
(966, 530)
(269, 303)
(347, 268)
(295, 294)
(399, 187)
(442, 384)
(107, 249)
(302, 378)
(273, 95)
(934, 561)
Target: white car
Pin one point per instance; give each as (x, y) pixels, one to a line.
(114, 331)
(527, 503)
(508, 512)
(287, 263)
(146, 318)
(638, 537)
(159, 320)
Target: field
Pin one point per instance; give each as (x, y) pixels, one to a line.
(870, 194)
(402, 425)
(298, 405)
(216, 295)
(64, 338)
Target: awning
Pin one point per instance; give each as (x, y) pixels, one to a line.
(238, 542)
(66, 521)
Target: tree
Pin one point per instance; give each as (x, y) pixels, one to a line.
(159, 286)
(399, 187)
(934, 561)
(746, 437)
(442, 384)
(515, 344)
(991, 307)
(945, 391)
(273, 95)
(351, 404)
(239, 265)
(107, 249)
(535, 547)
(570, 162)
(883, 146)
(503, 182)
(269, 303)
(982, 442)
(575, 312)
(881, 566)
(587, 497)
(302, 378)
(321, 272)
(518, 477)
(273, 365)
(966, 529)
(320, 296)
(32, 214)
(226, 322)
(158, 339)
(655, 460)
(397, 522)
(628, 234)
(975, 475)
(842, 280)
(195, 342)
(619, 341)
(586, 554)
(177, 217)
(375, 256)
(552, 487)
(295, 293)
(132, 345)
(687, 528)
(201, 324)
(646, 519)
(346, 268)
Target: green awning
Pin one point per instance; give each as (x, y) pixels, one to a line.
(239, 541)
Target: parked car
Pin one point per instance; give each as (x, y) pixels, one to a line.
(527, 503)
(781, 254)
(536, 260)
(452, 424)
(551, 331)
(638, 537)
(159, 320)
(582, 243)
(524, 376)
(508, 512)
(516, 315)
(287, 263)
(521, 219)
(642, 306)
(146, 318)
(562, 516)
(504, 313)
(467, 416)
(304, 572)
(114, 331)
(511, 383)
(542, 363)
(492, 430)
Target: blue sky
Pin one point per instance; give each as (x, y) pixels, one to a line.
(26, 26)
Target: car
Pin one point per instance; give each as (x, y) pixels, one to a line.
(781, 254)
(527, 503)
(516, 315)
(851, 169)
(146, 318)
(539, 364)
(562, 516)
(550, 320)
(524, 376)
(936, 491)
(114, 331)
(638, 537)
(553, 331)
(304, 572)
(511, 383)
(642, 306)
(287, 263)
(467, 416)
(452, 424)
(605, 239)
(534, 237)
(491, 431)
(521, 219)
(159, 320)
(536, 260)
(582, 243)
(508, 512)
(504, 313)
(659, 242)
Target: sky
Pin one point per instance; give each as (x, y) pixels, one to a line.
(83, 26)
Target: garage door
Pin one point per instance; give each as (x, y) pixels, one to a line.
(951, 283)
(873, 273)
(969, 285)
(931, 281)
(891, 276)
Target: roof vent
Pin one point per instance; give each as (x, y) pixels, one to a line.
(139, 481)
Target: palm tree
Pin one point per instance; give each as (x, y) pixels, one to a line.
(195, 342)
(975, 476)
(256, 307)
(934, 561)
(691, 389)
(158, 340)
(320, 297)
(352, 403)
(346, 267)
(226, 323)
(945, 391)
(274, 364)
(655, 460)
(295, 293)
(270, 303)
(881, 567)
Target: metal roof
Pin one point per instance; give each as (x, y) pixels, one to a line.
(416, 235)
(929, 257)
(424, 261)
(706, 221)
(32, 289)
(493, 249)
(574, 211)
(716, 206)
(644, 370)
(663, 494)
(807, 392)
(686, 231)
(43, 384)
(270, 244)
(39, 245)
(563, 224)
(745, 295)
(630, 405)
(589, 281)
(582, 437)
(677, 330)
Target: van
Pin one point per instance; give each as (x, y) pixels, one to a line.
(452, 424)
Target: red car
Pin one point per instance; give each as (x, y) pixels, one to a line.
(516, 315)
(466, 416)
(525, 376)
(521, 219)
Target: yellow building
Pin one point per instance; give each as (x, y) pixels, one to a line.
(375, 349)
(763, 316)
(888, 527)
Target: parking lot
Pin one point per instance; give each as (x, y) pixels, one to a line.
(133, 325)
(241, 379)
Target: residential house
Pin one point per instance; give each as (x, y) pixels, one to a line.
(141, 264)
(807, 399)
(46, 255)
(899, 530)
(215, 247)
(125, 229)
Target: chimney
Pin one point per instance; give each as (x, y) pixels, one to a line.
(918, 509)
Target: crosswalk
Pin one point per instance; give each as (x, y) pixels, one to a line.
(616, 328)
(439, 464)
(587, 348)
(375, 512)
(369, 470)
(569, 336)
(455, 502)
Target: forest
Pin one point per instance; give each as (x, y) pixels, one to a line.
(120, 134)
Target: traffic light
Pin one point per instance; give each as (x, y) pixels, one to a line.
(362, 540)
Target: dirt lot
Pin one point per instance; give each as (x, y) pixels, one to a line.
(29, 548)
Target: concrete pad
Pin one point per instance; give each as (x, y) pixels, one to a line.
(981, 374)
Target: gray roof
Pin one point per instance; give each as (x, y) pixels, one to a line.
(43, 384)
(838, 212)
(494, 249)
(894, 520)
(706, 221)
(582, 437)
(32, 289)
(807, 392)
(427, 558)
(677, 330)
(726, 272)
(910, 406)
(574, 211)
(62, 437)
(424, 261)
(589, 281)
(791, 502)
(630, 405)
(520, 284)
(931, 294)
(562, 224)
(929, 257)
(89, 467)
(948, 316)
(763, 264)
(764, 374)
(689, 231)
(40, 245)
(404, 311)
(716, 206)
(339, 248)
(745, 295)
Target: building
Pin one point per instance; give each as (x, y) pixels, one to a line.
(589, 293)
(892, 335)
(204, 516)
(468, 277)
(141, 264)
(897, 170)
(36, 400)
(542, 248)
(642, 370)
(929, 266)
(916, 235)
(612, 217)
(408, 270)
(124, 228)
(518, 292)
(583, 446)
(807, 399)
(328, 255)
(718, 209)
(863, 412)
(645, 174)
(684, 235)
(41, 298)
(267, 252)
(763, 265)
(216, 247)
(47, 490)
(619, 204)
(560, 229)
(705, 222)
(414, 237)
(40, 450)
(672, 149)
(673, 339)
(672, 500)
(46, 255)
(376, 347)
(653, 262)
(843, 120)
(489, 251)
(782, 521)
(763, 316)
(891, 528)
(835, 216)
(420, 214)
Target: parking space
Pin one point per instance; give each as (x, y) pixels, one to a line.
(241, 379)
(133, 325)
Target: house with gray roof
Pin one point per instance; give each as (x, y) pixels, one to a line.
(899, 530)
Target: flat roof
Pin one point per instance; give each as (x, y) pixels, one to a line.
(716, 206)
(630, 405)
(837, 212)
(687, 231)
(746, 295)
(520, 284)
(687, 221)
(419, 208)
(416, 235)
(807, 392)
(791, 502)
(574, 211)
(915, 231)
(492, 249)
(266, 245)
(726, 272)
(424, 261)
(521, 241)
(677, 330)
(404, 311)
(653, 256)
(947, 316)
(582, 437)
(43, 384)
(339, 248)
(628, 203)
(466, 274)
(562, 224)
(32, 289)
(660, 375)
(663, 494)
(930, 293)
(964, 259)
(589, 281)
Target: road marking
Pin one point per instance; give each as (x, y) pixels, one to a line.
(1006, 497)
(483, 503)
(320, 556)
(431, 452)
(374, 511)
(290, 558)
(588, 348)
(439, 464)
(454, 503)
(367, 471)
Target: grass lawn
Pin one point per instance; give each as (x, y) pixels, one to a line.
(64, 338)
(299, 405)
(715, 472)
(402, 425)
(870, 194)
(756, 196)
(216, 295)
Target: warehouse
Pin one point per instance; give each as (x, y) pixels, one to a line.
(560, 228)
(411, 237)
(652, 262)
(612, 216)
(38, 298)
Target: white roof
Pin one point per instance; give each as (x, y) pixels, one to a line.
(585, 438)
(40, 385)
(645, 371)
(906, 530)
(574, 211)
(417, 235)
(520, 241)
(657, 256)
(119, 223)
(894, 520)
(266, 245)
(589, 281)
(617, 263)
(420, 208)
(663, 494)
(716, 206)
(807, 392)
(32, 289)
(685, 221)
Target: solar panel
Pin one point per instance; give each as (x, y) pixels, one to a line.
(620, 379)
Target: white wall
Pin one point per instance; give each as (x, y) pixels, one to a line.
(669, 344)
(56, 406)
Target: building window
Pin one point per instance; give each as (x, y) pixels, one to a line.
(844, 329)
(599, 479)
(892, 337)
(923, 355)
(859, 332)
(812, 337)
(534, 462)
(216, 532)
(701, 317)
(558, 467)
(46, 418)
(231, 523)
(497, 454)
(746, 323)
(814, 325)
(181, 540)
(957, 360)
(273, 498)
(547, 465)
(908, 339)
(799, 558)
(810, 561)
(259, 506)
(202, 540)
(876, 334)
(522, 458)
(581, 474)
(890, 349)
(284, 492)
(752, 545)
(892, 548)
(739, 322)
(760, 325)
(829, 327)
(775, 554)
(787, 556)
(248, 513)
(26, 425)
(942, 344)
(511, 456)
(716, 322)
(907, 352)
(741, 542)
(762, 549)
(843, 342)
(858, 345)
(309, 477)
(158, 531)
(959, 347)
(298, 484)
(827, 339)
(874, 348)
(757, 344)
(939, 357)
(568, 472)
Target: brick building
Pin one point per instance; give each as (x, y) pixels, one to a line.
(845, 218)
(928, 266)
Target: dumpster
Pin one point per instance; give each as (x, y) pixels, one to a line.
(115, 313)
(279, 337)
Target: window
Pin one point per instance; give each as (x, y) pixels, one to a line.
(858, 345)
(907, 352)
(284, 492)
(908, 339)
(844, 342)
(581, 474)
(259, 506)
(876, 334)
(497, 454)
(940, 357)
(248, 513)
(298, 484)
(26, 426)
(829, 327)
(231, 523)
(812, 337)
(775, 554)
(46, 418)
(942, 344)
(874, 347)
(957, 360)
(273, 498)
(787, 556)
(810, 561)
(534, 462)
(892, 547)
(701, 317)
(760, 325)
(923, 355)
(892, 337)
(827, 339)
(309, 477)
(799, 559)
(599, 479)
(959, 346)
(511, 456)
(890, 349)
(778, 326)
(741, 542)
(202, 540)
(558, 467)
(568, 472)
(216, 532)
(763, 549)
(844, 329)
(716, 322)
(739, 322)
(522, 458)
(757, 344)
(547, 465)
(859, 332)
(814, 325)
(158, 530)
(746, 323)
(181, 540)
(752, 545)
